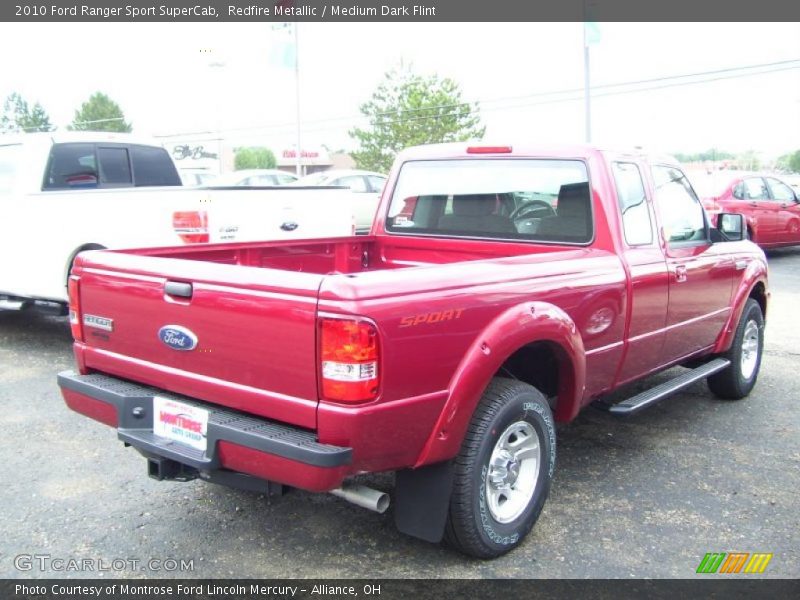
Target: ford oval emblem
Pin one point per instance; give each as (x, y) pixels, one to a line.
(177, 337)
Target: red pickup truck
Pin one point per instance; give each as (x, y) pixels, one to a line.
(500, 290)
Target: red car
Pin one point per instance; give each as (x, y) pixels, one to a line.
(770, 206)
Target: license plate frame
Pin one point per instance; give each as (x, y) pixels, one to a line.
(180, 422)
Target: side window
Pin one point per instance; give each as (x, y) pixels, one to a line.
(153, 166)
(681, 212)
(355, 182)
(376, 183)
(9, 157)
(755, 189)
(632, 204)
(780, 191)
(115, 167)
(738, 191)
(71, 166)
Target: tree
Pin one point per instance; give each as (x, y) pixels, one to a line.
(254, 158)
(749, 161)
(100, 113)
(712, 154)
(18, 116)
(408, 109)
(790, 162)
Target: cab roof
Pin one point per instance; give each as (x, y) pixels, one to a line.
(476, 149)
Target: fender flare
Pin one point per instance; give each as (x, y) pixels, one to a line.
(517, 327)
(756, 273)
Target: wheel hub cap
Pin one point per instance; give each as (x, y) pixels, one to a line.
(513, 471)
(750, 342)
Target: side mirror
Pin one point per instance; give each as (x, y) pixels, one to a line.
(731, 226)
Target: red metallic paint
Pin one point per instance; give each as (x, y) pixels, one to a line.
(772, 223)
(518, 326)
(611, 313)
(94, 409)
(279, 469)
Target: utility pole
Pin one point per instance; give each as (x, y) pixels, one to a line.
(299, 166)
(587, 90)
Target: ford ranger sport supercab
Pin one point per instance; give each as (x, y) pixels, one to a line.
(500, 290)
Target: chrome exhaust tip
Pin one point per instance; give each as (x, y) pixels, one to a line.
(363, 496)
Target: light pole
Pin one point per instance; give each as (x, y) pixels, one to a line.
(587, 90)
(299, 166)
(218, 66)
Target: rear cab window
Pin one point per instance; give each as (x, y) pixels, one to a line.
(540, 200)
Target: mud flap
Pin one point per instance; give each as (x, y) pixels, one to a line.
(422, 499)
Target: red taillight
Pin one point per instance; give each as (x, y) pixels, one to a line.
(73, 293)
(349, 356)
(191, 226)
(489, 150)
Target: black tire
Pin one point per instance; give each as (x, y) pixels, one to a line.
(471, 526)
(734, 383)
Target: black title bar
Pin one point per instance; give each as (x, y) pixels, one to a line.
(400, 10)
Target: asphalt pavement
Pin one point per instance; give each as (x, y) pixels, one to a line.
(644, 497)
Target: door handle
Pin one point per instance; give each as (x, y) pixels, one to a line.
(680, 273)
(178, 288)
(289, 226)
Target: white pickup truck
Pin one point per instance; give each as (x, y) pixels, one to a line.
(62, 193)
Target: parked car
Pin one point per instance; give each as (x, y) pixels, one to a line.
(365, 184)
(254, 178)
(522, 285)
(194, 178)
(794, 182)
(62, 193)
(770, 206)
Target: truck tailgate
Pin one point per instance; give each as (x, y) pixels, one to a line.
(233, 335)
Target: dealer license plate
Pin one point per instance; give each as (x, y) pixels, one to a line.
(180, 422)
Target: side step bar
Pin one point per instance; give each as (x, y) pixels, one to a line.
(649, 397)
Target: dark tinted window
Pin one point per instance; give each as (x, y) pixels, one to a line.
(153, 166)
(115, 169)
(71, 166)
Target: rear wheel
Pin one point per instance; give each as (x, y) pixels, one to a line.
(738, 379)
(502, 474)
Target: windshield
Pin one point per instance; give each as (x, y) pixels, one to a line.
(530, 199)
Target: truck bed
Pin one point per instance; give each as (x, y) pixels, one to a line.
(345, 255)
